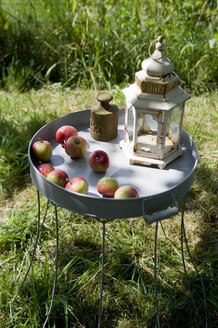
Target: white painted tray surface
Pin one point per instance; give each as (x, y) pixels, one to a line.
(158, 189)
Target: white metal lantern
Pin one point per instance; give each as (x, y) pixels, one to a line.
(154, 112)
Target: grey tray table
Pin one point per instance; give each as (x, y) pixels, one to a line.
(159, 190)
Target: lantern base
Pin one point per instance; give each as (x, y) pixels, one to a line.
(143, 160)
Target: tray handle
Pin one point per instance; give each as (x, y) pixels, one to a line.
(160, 215)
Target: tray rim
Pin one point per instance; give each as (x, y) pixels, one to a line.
(189, 178)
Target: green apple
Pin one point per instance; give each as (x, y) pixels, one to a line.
(42, 149)
(76, 147)
(126, 192)
(77, 184)
(107, 186)
(58, 177)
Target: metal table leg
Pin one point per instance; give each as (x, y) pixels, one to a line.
(183, 234)
(155, 277)
(149, 219)
(33, 254)
(102, 275)
(56, 267)
(155, 218)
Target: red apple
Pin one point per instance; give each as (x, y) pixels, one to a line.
(107, 186)
(45, 169)
(99, 161)
(126, 192)
(77, 184)
(42, 149)
(59, 177)
(64, 133)
(76, 147)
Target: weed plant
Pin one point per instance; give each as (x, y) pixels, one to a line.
(128, 299)
(102, 43)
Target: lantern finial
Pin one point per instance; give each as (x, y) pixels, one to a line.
(160, 46)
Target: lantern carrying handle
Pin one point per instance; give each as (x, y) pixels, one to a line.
(159, 46)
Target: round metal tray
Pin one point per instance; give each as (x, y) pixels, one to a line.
(158, 189)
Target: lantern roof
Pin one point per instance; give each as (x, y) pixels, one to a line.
(138, 99)
(156, 85)
(158, 64)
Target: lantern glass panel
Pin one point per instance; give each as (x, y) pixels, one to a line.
(174, 124)
(147, 127)
(130, 123)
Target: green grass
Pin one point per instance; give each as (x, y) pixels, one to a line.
(102, 43)
(128, 286)
(67, 49)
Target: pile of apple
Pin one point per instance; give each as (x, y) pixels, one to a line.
(75, 146)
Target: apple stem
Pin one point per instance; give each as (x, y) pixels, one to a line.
(40, 139)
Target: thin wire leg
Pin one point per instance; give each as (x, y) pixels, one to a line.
(102, 276)
(33, 254)
(172, 244)
(56, 268)
(46, 211)
(29, 249)
(191, 258)
(155, 277)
